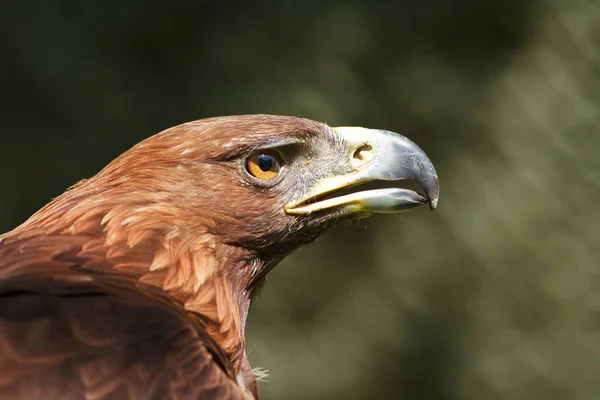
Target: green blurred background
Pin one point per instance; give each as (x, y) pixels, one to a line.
(496, 295)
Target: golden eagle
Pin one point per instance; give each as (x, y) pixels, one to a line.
(136, 283)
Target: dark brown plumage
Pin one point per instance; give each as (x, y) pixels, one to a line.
(136, 283)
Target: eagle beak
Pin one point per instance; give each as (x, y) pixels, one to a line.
(374, 155)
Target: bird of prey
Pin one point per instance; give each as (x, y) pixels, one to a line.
(136, 283)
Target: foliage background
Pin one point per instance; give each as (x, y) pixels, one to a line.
(495, 295)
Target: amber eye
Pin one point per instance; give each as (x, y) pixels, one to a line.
(264, 164)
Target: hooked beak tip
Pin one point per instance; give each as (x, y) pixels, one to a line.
(433, 203)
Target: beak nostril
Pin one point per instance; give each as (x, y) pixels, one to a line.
(362, 155)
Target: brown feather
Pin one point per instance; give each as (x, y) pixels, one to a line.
(91, 333)
(136, 283)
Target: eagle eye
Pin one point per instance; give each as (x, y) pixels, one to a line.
(264, 164)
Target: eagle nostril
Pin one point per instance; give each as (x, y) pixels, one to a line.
(362, 155)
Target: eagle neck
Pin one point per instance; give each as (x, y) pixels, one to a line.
(139, 239)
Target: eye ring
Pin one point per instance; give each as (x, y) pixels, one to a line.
(264, 164)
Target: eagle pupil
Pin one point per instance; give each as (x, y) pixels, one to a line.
(265, 163)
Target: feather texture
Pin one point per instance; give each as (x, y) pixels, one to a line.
(136, 283)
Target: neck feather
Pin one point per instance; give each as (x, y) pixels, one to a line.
(144, 240)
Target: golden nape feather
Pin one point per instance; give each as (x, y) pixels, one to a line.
(136, 283)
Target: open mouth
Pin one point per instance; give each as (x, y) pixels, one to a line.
(374, 196)
(361, 187)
